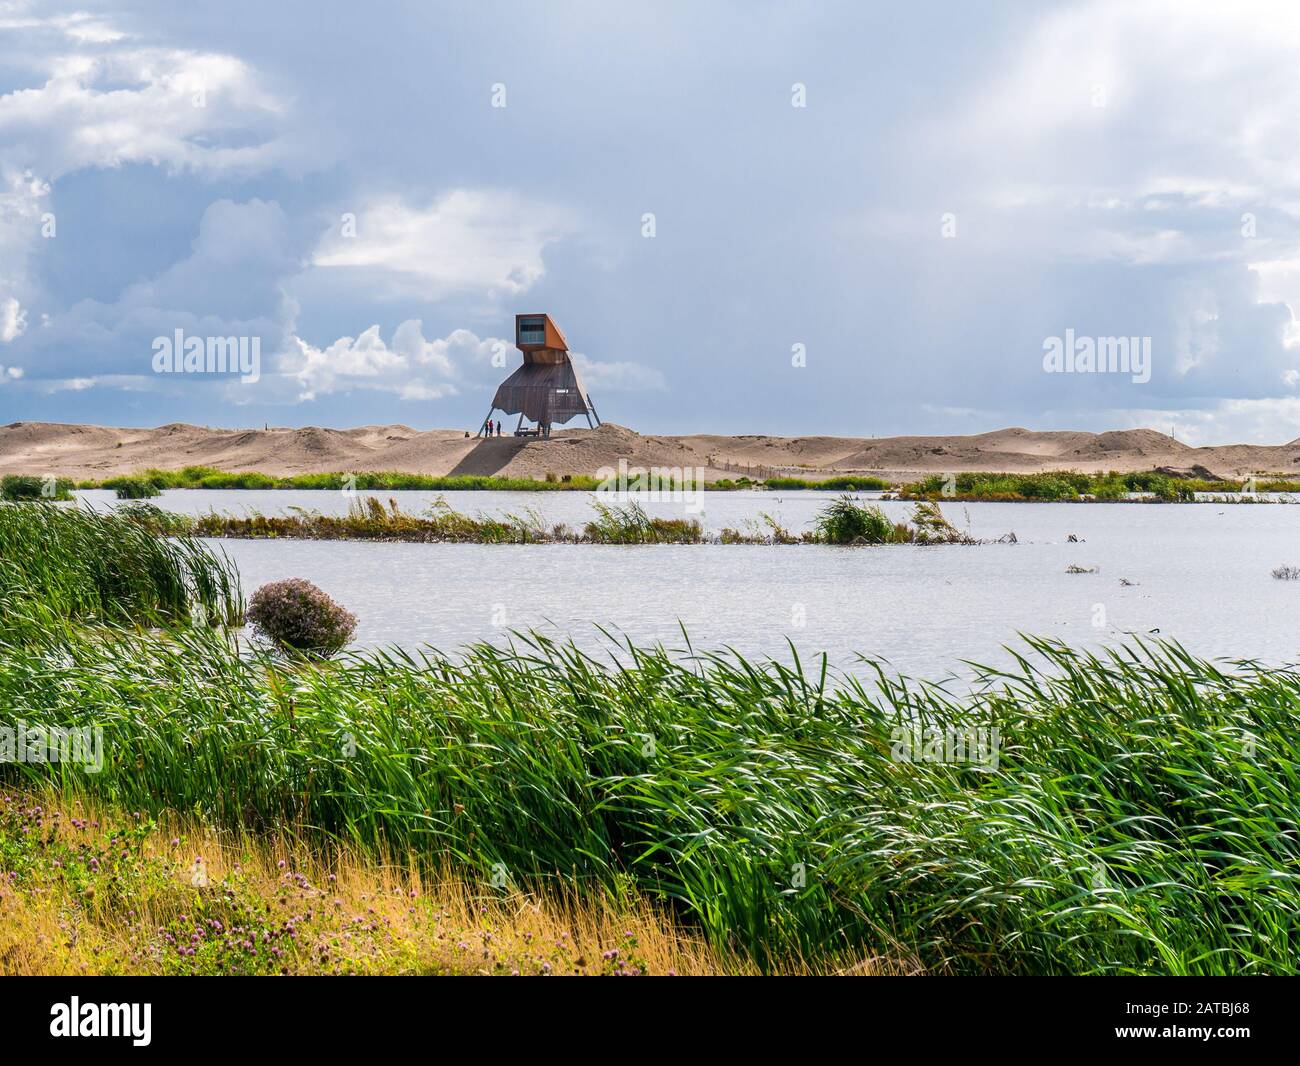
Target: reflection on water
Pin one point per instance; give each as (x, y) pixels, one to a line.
(1201, 574)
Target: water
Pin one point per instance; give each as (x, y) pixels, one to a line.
(1200, 574)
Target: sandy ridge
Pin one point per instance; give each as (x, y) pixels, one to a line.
(86, 451)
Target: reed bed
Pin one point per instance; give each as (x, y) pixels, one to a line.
(207, 477)
(842, 521)
(971, 485)
(72, 564)
(845, 521)
(1072, 486)
(369, 519)
(1128, 813)
(837, 483)
(1140, 815)
(132, 488)
(20, 487)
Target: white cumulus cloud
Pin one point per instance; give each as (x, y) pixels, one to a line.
(413, 367)
(94, 97)
(467, 240)
(13, 319)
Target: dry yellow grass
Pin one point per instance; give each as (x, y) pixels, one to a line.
(85, 890)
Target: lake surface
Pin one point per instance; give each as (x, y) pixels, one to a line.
(1200, 574)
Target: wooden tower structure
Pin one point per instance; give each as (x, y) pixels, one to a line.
(546, 390)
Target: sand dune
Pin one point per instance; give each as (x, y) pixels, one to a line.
(101, 451)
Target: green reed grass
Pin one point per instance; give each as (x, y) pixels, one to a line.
(21, 487)
(132, 488)
(628, 523)
(842, 521)
(845, 521)
(78, 565)
(1071, 486)
(207, 477)
(1045, 485)
(838, 483)
(1141, 817)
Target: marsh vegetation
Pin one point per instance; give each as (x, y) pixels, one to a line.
(1128, 812)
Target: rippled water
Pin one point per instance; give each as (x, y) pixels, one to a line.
(1201, 574)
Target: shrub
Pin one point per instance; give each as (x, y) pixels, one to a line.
(1287, 573)
(297, 616)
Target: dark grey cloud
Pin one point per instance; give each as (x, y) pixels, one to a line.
(960, 186)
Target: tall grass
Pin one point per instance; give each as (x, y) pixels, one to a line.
(1141, 816)
(1066, 486)
(628, 523)
(840, 483)
(19, 487)
(71, 564)
(842, 521)
(369, 519)
(132, 488)
(1044, 485)
(845, 521)
(207, 477)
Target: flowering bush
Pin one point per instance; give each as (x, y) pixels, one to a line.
(296, 615)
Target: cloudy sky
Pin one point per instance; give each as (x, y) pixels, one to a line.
(755, 217)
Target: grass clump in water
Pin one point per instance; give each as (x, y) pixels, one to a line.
(133, 488)
(628, 523)
(845, 521)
